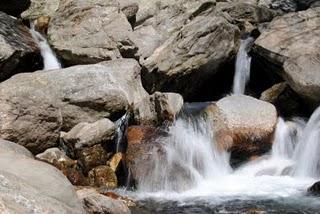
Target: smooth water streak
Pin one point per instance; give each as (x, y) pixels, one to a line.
(243, 66)
(50, 60)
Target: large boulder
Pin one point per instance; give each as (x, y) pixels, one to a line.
(14, 7)
(315, 189)
(193, 53)
(157, 20)
(243, 125)
(90, 41)
(293, 38)
(45, 189)
(19, 52)
(35, 107)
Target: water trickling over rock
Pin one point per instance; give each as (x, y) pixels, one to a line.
(243, 65)
(50, 60)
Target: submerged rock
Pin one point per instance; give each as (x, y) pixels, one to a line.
(243, 125)
(19, 52)
(35, 107)
(315, 189)
(24, 189)
(291, 45)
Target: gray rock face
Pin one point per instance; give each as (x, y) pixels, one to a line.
(284, 5)
(14, 7)
(35, 107)
(90, 134)
(287, 39)
(303, 75)
(40, 8)
(195, 52)
(10, 147)
(90, 41)
(26, 190)
(19, 53)
(243, 125)
(286, 100)
(97, 203)
(158, 108)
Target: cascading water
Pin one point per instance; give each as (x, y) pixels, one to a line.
(193, 166)
(243, 65)
(50, 60)
(122, 124)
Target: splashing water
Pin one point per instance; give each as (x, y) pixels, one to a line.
(243, 65)
(192, 165)
(50, 60)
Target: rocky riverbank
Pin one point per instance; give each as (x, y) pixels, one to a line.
(69, 136)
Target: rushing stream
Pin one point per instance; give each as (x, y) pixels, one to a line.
(194, 176)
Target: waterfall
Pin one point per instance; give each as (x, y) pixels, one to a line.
(50, 60)
(191, 163)
(243, 65)
(307, 152)
(121, 124)
(190, 157)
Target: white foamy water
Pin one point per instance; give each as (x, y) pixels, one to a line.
(121, 124)
(193, 166)
(243, 66)
(50, 60)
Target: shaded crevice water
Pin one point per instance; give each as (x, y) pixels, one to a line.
(122, 125)
(50, 60)
(192, 165)
(243, 66)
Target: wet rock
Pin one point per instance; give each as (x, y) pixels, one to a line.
(243, 125)
(14, 7)
(158, 108)
(143, 142)
(194, 53)
(60, 160)
(115, 161)
(103, 176)
(315, 189)
(19, 53)
(89, 134)
(91, 41)
(45, 188)
(92, 156)
(94, 203)
(35, 107)
(286, 101)
(293, 38)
